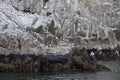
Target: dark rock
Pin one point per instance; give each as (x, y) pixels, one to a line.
(48, 13)
(76, 60)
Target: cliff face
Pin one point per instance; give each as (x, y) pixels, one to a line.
(26, 26)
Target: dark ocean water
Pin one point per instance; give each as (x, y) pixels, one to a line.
(106, 75)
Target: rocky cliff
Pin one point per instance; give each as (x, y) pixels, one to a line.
(33, 26)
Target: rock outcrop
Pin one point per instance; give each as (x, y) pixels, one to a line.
(84, 23)
(36, 27)
(56, 63)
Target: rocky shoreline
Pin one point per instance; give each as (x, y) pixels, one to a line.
(77, 59)
(37, 35)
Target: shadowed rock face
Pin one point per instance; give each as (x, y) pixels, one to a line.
(76, 60)
(117, 32)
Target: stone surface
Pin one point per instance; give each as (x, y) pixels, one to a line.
(84, 23)
(49, 62)
(56, 26)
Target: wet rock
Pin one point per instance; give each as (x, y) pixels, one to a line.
(78, 59)
(107, 54)
(50, 62)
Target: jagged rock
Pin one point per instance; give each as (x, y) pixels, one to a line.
(55, 26)
(4, 42)
(49, 62)
(87, 23)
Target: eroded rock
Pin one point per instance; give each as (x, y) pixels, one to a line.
(49, 62)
